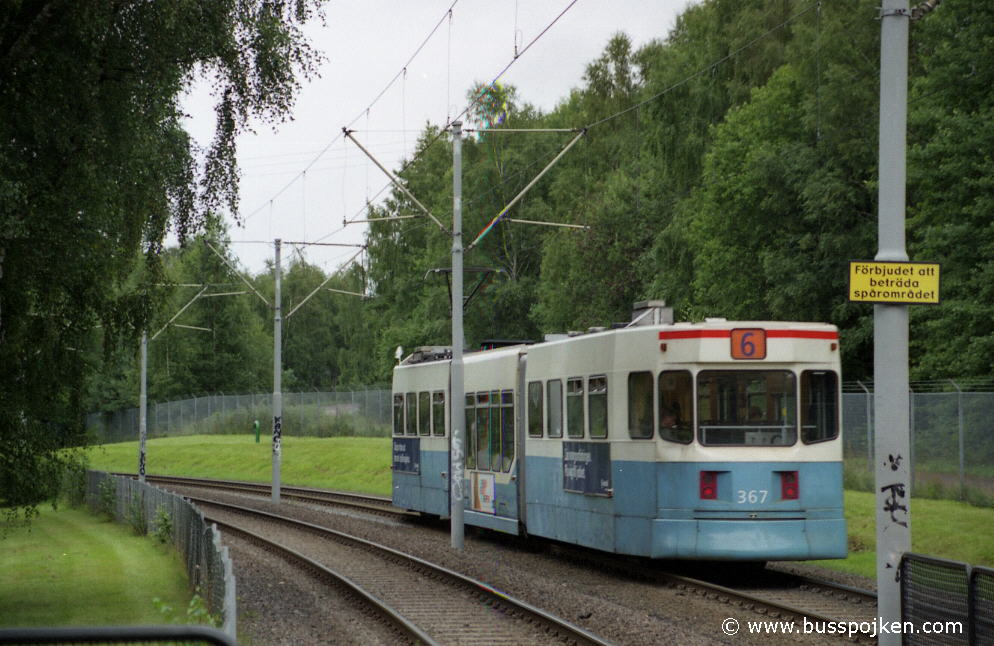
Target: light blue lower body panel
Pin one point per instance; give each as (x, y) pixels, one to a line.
(655, 510)
(426, 491)
(489, 521)
(749, 540)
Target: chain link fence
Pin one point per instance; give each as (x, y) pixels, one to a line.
(148, 509)
(952, 428)
(952, 437)
(946, 602)
(312, 414)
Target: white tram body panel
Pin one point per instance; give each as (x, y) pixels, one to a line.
(717, 440)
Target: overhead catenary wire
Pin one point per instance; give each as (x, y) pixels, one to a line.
(237, 273)
(365, 110)
(323, 283)
(449, 121)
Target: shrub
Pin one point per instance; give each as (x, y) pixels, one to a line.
(162, 525)
(107, 498)
(137, 517)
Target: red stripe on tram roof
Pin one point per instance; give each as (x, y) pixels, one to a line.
(802, 334)
(668, 335)
(694, 334)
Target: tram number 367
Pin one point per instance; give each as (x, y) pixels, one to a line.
(752, 496)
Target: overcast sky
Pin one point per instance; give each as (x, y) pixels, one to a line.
(366, 43)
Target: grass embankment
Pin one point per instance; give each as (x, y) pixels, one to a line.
(348, 463)
(70, 567)
(942, 528)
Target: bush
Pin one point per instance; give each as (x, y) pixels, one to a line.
(72, 484)
(162, 525)
(137, 517)
(196, 612)
(107, 498)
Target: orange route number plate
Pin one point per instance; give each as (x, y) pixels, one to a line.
(749, 343)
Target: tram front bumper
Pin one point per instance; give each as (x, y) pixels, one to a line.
(749, 540)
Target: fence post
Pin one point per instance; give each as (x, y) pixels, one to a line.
(869, 427)
(911, 429)
(962, 466)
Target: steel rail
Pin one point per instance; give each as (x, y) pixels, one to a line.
(569, 632)
(761, 602)
(365, 502)
(400, 622)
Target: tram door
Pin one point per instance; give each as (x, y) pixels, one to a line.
(491, 448)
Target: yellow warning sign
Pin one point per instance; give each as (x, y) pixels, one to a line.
(872, 281)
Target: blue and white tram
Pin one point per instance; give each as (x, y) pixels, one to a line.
(713, 441)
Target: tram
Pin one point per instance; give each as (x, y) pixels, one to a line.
(717, 440)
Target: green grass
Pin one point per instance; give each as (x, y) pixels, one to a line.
(942, 528)
(72, 568)
(349, 463)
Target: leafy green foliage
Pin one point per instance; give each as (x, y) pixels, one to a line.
(728, 168)
(95, 169)
(107, 498)
(162, 525)
(136, 515)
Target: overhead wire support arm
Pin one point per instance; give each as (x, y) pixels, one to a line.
(386, 219)
(193, 327)
(237, 273)
(550, 224)
(324, 244)
(396, 182)
(318, 288)
(512, 131)
(342, 291)
(520, 195)
(181, 310)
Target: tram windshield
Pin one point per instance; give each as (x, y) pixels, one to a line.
(747, 407)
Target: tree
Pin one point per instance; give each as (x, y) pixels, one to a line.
(95, 168)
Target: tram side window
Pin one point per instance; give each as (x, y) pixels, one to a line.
(411, 419)
(555, 392)
(535, 412)
(574, 407)
(747, 407)
(819, 406)
(483, 431)
(496, 430)
(640, 405)
(438, 413)
(398, 414)
(597, 405)
(676, 408)
(506, 430)
(424, 413)
(469, 448)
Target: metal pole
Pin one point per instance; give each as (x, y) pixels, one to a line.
(143, 409)
(892, 445)
(277, 376)
(456, 404)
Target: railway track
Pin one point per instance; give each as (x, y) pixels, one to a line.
(762, 594)
(789, 597)
(424, 601)
(772, 594)
(360, 502)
